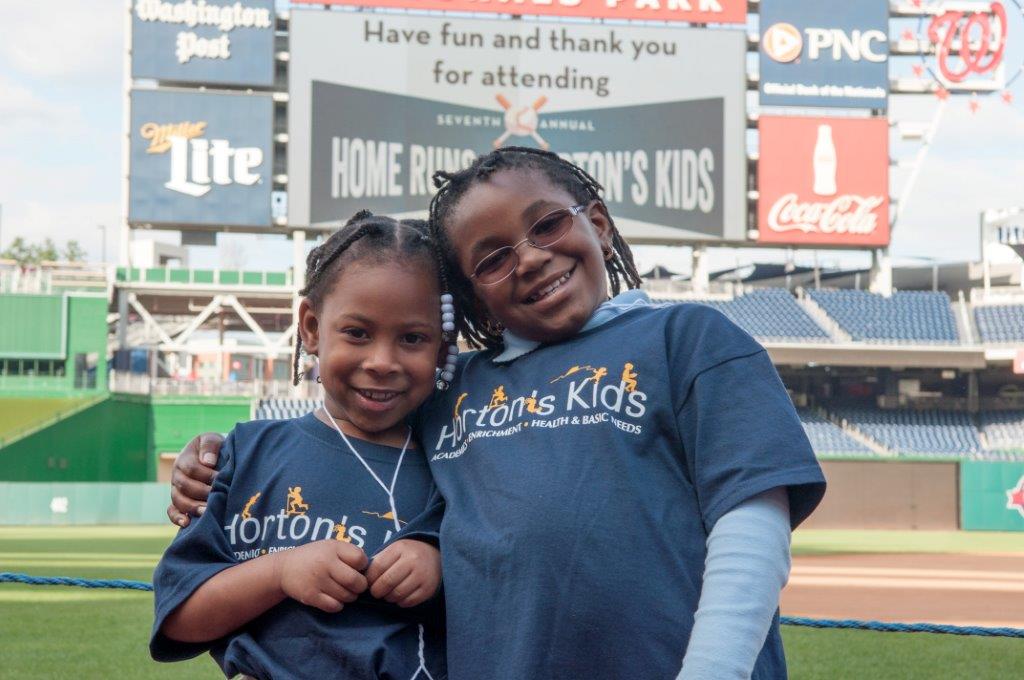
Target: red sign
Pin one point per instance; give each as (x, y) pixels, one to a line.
(981, 40)
(696, 11)
(1018, 362)
(823, 181)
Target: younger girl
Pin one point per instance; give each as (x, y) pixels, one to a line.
(271, 578)
(620, 477)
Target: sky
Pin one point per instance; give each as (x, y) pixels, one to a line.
(61, 113)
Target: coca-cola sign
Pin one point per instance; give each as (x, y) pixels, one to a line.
(823, 181)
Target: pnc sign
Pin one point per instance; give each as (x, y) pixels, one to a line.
(823, 181)
(828, 53)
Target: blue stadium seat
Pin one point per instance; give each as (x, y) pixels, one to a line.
(906, 317)
(1004, 434)
(770, 314)
(828, 439)
(917, 433)
(1000, 323)
(281, 409)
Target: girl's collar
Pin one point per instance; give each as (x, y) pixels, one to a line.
(516, 346)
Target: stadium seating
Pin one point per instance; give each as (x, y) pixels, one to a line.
(1000, 323)
(828, 439)
(280, 409)
(917, 433)
(770, 314)
(906, 317)
(1004, 434)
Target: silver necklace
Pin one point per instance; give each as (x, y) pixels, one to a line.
(389, 490)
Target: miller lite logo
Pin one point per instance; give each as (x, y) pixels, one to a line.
(197, 163)
(823, 181)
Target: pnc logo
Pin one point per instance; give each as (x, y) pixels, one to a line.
(198, 163)
(784, 43)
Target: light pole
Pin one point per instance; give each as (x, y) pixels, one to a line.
(103, 252)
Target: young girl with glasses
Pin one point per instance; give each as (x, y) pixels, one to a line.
(620, 478)
(275, 578)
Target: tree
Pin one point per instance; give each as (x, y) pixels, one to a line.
(26, 254)
(74, 252)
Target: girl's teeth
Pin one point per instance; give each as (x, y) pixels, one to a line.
(552, 288)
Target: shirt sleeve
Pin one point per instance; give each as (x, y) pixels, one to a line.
(426, 526)
(740, 432)
(198, 552)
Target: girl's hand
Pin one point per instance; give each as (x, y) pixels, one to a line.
(325, 574)
(406, 573)
(191, 477)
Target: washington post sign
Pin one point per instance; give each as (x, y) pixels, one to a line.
(830, 53)
(204, 41)
(200, 159)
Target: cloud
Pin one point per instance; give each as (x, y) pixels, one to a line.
(63, 40)
(23, 113)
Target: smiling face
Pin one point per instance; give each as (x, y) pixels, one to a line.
(377, 335)
(553, 291)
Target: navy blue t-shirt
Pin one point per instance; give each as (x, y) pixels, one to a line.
(282, 484)
(581, 481)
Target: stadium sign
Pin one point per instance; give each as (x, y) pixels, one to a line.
(830, 53)
(200, 41)
(200, 159)
(823, 181)
(669, 153)
(696, 11)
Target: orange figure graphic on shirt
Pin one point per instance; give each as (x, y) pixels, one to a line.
(296, 506)
(339, 533)
(248, 506)
(498, 398)
(531, 404)
(595, 373)
(629, 377)
(389, 516)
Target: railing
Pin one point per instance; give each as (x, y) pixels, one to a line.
(141, 383)
(210, 277)
(47, 279)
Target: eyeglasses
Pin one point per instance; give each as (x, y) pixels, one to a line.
(545, 232)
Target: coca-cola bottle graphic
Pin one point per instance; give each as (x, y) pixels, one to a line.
(825, 162)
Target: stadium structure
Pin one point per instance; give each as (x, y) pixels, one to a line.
(908, 381)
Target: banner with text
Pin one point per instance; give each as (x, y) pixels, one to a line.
(831, 53)
(696, 11)
(200, 159)
(203, 41)
(669, 152)
(823, 181)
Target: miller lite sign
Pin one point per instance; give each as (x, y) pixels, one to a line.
(200, 159)
(823, 181)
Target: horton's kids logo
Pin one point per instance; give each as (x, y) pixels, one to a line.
(257, 531)
(581, 395)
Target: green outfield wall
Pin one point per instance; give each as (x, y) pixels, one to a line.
(54, 345)
(992, 496)
(119, 438)
(58, 503)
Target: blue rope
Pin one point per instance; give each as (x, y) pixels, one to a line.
(885, 627)
(879, 626)
(8, 577)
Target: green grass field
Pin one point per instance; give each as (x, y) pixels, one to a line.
(62, 632)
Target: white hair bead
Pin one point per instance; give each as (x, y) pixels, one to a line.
(447, 376)
(447, 298)
(448, 326)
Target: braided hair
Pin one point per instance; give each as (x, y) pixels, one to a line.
(365, 237)
(475, 325)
